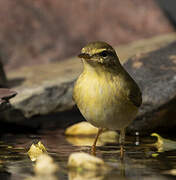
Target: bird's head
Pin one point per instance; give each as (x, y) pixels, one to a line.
(99, 53)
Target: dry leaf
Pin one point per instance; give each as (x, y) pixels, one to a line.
(36, 150)
(163, 144)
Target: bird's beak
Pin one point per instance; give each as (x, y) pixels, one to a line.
(84, 55)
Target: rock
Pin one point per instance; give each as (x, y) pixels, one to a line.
(81, 129)
(84, 161)
(47, 92)
(155, 74)
(45, 165)
(83, 134)
(151, 62)
(5, 96)
(45, 168)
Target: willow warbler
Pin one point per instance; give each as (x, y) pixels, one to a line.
(105, 93)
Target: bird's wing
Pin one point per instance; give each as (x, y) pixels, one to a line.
(133, 91)
(135, 95)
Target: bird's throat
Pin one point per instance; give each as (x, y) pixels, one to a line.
(99, 68)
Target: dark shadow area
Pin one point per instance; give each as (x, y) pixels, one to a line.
(59, 120)
(5, 176)
(169, 9)
(14, 128)
(62, 120)
(15, 82)
(162, 121)
(56, 120)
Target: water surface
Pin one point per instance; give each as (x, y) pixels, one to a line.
(141, 161)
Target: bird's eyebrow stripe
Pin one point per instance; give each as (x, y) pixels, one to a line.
(97, 51)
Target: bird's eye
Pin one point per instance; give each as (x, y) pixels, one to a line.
(104, 54)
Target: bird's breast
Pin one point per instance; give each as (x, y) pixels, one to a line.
(101, 100)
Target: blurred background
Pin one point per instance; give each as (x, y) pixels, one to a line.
(37, 31)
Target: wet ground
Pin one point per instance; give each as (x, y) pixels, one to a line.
(141, 161)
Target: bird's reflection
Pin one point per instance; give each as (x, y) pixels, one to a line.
(105, 137)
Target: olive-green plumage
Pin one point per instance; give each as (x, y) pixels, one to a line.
(105, 93)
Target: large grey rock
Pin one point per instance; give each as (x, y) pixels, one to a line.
(46, 89)
(155, 73)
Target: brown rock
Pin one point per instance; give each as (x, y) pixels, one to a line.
(81, 129)
(157, 79)
(83, 134)
(86, 161)
(6, 94)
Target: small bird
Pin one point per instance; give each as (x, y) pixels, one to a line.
(105, 93)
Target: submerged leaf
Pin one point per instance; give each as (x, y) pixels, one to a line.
(163, 144)
(155, 155)
(36, 150)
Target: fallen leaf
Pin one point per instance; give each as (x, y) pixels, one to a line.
(163, 144)
(155, 155)
(36, 150)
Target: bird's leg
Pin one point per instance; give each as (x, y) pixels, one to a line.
(122, 141)
(93, 149)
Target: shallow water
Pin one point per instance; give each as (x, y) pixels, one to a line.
(138, 164)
